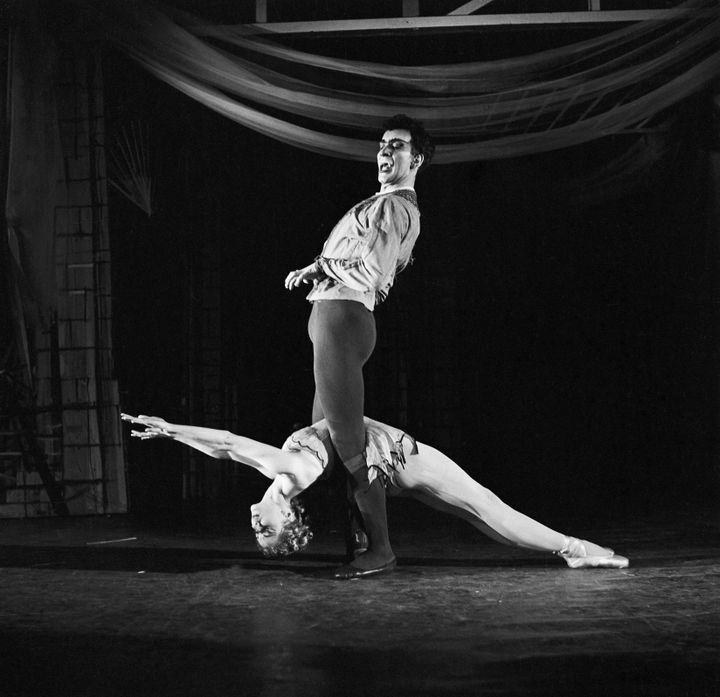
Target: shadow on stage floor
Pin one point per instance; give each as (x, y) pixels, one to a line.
(114, 606)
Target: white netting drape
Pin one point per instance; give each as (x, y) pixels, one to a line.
(553, 99)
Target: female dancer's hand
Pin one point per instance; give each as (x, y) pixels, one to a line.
(309, 274)
(155, 427)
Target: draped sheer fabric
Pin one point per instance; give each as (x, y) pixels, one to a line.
(482, 110)
(35, 175)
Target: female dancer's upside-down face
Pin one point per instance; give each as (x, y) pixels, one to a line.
(268, 518)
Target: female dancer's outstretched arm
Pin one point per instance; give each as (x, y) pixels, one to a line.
(223, 445)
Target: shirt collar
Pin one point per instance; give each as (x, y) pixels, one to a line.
(399, 188)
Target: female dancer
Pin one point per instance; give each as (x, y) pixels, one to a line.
(396, 462)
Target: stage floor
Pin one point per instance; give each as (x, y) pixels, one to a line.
(197, 611)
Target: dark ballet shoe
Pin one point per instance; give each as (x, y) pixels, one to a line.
(348, 572)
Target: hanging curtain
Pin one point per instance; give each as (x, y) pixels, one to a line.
(484, 110)
(35, 164)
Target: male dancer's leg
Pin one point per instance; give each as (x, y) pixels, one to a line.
(343, 336)
(356, 539)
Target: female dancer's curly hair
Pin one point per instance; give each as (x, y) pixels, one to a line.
(294, 536)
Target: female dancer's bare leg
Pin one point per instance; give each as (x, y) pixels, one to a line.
(433, 478)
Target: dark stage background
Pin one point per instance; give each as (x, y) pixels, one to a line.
(558, 341)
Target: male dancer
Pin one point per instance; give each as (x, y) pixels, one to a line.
(355, 271)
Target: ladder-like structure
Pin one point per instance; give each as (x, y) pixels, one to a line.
(30, 462)
(61, 448)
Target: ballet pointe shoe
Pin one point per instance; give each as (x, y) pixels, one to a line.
(576, 557)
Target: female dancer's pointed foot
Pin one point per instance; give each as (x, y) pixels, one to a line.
(576, 554)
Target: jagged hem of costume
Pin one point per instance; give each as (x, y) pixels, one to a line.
(383, 464)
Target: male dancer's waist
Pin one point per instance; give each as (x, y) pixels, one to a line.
(338, 291)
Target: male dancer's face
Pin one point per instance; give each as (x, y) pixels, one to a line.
(397, 166)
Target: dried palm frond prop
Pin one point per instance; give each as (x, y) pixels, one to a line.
(129, 163)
